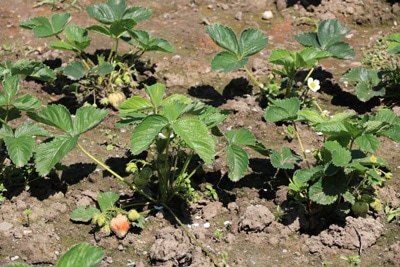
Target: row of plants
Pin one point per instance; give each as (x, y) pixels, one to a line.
(344, 174)
(180, 134)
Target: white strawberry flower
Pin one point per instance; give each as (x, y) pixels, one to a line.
(313, 84)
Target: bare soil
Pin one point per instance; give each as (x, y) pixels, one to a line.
(240, 229)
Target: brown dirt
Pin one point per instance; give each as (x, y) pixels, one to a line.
(244, 214)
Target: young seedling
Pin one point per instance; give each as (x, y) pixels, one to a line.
(27, 212)
(218, 235)
(353, 260)
(391, 213)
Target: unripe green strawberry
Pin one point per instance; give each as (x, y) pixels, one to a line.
(106, 229)
(118, 81)
(126, 78)
(101, 221)
(388, 175)
(143, 178)
(360, 208)
(376, 204)
(95, 218)
(133, 215)
(146, 173)
(366, 198)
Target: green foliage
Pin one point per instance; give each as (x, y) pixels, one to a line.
(369, 82)
(382, 79)
(19, 140)
(181, 128)
(345, 166)
(116, 21)
(82, 254)
(319, 45)
(283, 110)
(353, 260)
(29, 68)
(251, 41)
(42, 27)
(51, 152)
(327, 38)
(391, 213)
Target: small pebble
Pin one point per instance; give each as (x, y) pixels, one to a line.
(239, 15)
(27, 232)
(206, 225)
(267, 15)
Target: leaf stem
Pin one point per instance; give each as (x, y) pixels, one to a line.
(252, 77)
(116, 174)
(301, 144)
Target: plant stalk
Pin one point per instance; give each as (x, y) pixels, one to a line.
(116, 174)
(301, 144)
(252, 77)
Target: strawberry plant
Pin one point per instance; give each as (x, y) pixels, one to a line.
(17, 141)
(117, 22)
(384, 78)
(346, 171)
(321, 44)
(176, 129)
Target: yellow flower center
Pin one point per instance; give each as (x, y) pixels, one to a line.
(373, 159)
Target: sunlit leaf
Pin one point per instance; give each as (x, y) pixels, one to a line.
(327, 189)
(195, 134)
(224, 36)
(48, 154)
(226, 61)
(75, 71)
(156, 93)
(87, 118)
(82, 255)
(238, 162)
(106, 200)
(284, 160)
(102, 68)
(83, 214)
(135, 104)
(368, 142)
(241, 137)
(146, 131)
(57, 116)
(330, 32)
(282, 110)
(251, 42)
(137, 13)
